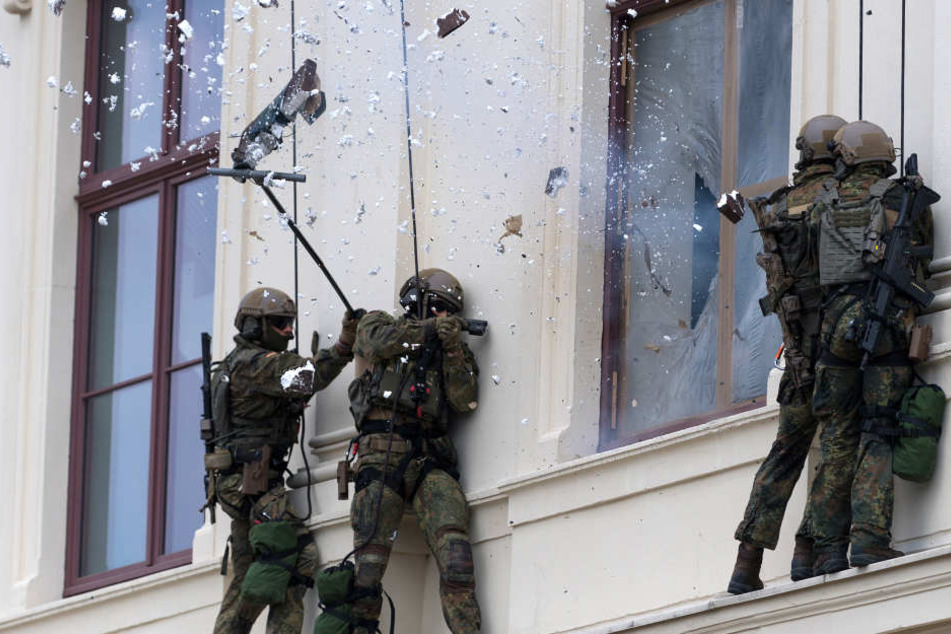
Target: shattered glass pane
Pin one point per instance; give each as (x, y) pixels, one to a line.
(201, 76)
(765, 63)
(195, 241)
(124, 255)
(118, 441)
(672, 226)
(131, 79)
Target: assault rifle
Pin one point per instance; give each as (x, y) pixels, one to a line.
(207, 422)
(895, 271)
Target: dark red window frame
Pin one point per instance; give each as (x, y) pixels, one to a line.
(616, 201)
(176, 165)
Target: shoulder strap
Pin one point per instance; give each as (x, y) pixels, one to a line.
(880, 187)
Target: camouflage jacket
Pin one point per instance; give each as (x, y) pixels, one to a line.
(382, 338)
(268, 390)
(807, 183)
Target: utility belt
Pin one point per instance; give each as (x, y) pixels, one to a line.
(405, 426)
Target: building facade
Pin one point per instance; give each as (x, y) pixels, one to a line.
(626, 392)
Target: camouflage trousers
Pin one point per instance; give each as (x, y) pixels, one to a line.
(777, 476)
(443, 517)
(853, 491)
(237, 615)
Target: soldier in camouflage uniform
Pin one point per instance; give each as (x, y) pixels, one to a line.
(792, 279)
(405, 454)
(853, 487)
(268, 388)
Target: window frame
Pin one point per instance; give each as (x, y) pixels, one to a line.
(176, 166)
(617, 204)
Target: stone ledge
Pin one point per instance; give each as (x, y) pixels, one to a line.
(781, 603)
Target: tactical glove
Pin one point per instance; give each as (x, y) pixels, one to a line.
(348, 333)
(449, 331)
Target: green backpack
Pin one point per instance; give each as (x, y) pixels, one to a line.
(276, 547)
(915, 452)
(334, 586)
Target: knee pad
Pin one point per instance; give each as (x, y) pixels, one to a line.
(459, 574)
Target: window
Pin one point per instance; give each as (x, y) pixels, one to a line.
(145, 287)
(699, 106)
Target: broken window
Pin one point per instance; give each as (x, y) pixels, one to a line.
(148, 233)
(700, 105)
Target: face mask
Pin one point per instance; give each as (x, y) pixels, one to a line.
(272, 339)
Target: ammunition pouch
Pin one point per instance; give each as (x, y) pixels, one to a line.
(337, 593)
(276, 547)
(218, 460)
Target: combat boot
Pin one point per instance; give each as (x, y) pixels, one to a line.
(745, 577)
(868, 555)
(803, 560)
(830, 561)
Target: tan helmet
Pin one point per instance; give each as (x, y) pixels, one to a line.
(863, 142)
(814, 137)
(435, 283)
(264, 302)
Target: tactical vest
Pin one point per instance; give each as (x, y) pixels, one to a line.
(792, 279)
(396, 384)
(849, 233)
(238, 434)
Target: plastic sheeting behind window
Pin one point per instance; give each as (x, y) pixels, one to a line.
(672, 235)
(765, 62)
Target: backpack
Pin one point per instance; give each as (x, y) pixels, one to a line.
(221, 397)
(915, 452)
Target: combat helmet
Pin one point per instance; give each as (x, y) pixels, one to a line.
(863, 142)
(814, 137)
(436, 285)
(256, 307)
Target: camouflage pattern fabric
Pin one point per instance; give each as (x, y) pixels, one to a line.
(382, 337)
(237, 615)
(435, 495)
(853, 484)
(779, 472)
(268, 390)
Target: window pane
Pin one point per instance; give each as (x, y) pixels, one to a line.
(131, 81)
(117, 476)
(184, 495)
(765, 61)
(765, 82)
(201, 76)
(194, 266)
(124, 248)
(672, 226)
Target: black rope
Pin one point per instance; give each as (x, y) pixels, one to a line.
(294, 166)
(861, 49)
(409, 157)
(902, 139)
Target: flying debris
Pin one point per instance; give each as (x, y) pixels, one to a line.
(4, 58)
(187, 30)
(513, 227)
(557, 179)
(302, 95)
(731, 206)
(267, 3)
(56, 6)
(451, 21)
(118, 14)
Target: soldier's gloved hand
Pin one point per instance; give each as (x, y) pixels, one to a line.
(449, 331)
(348, 331)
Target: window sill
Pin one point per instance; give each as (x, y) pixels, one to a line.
(166, 579)
(874, 589)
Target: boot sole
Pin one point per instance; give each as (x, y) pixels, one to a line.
(832, 566)
(860, 561)
(800, 574)
(741, 588)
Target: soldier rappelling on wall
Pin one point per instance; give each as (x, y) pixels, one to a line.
(863, 241)
(793, 294)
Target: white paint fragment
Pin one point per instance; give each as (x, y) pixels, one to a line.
(106, 183)
(301, 378)
(51, 82)
(76, 126)
(118, 14)
(56, 6)
(103, 219)
(225, 239)
(239, 12)
(187, 30)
